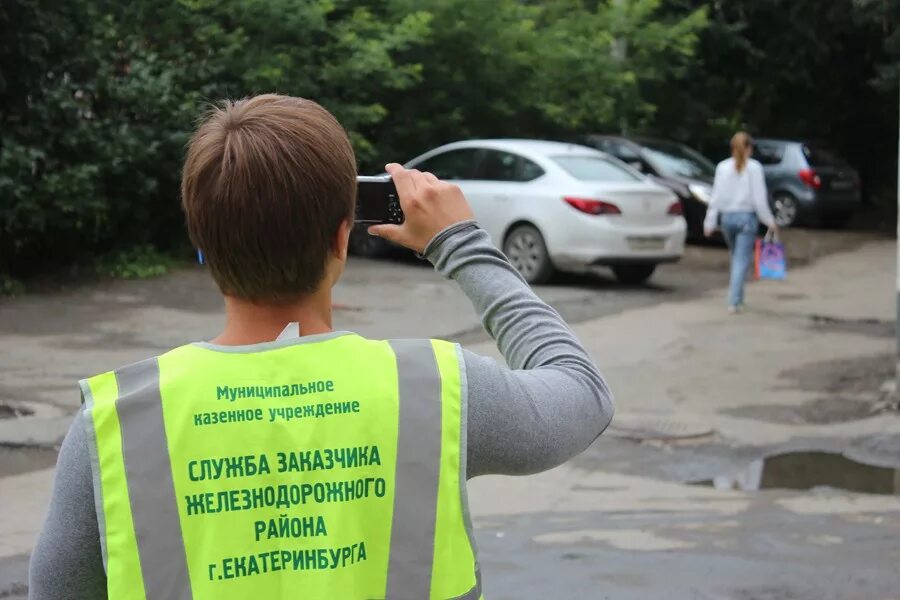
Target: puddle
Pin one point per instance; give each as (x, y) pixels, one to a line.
(13, 412)
(820, 411)
(807, 470)
(869, 327)
(15, 461)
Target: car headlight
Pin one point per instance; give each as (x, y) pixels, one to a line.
(701, 192)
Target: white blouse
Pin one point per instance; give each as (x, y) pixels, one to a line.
(739, 192)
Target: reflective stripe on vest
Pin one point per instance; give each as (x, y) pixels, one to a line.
(154, 508)
(145, 495)
(418, 464)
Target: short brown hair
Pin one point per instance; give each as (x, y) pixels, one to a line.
(266, 183)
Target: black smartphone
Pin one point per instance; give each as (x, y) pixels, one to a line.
(377, 201)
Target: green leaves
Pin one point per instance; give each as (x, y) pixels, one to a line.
(795, 69)
(138, 262)
(99, 97)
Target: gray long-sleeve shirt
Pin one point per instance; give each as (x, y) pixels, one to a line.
(546, 407)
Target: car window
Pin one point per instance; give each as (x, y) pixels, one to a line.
(497, 165)
(453, 164)
(817, 156)
(673, 159)
(768, 155)
(594, 168)
(618, 149)
(528, 170)
(601, 144)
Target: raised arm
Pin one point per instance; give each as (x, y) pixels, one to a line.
(551, 402)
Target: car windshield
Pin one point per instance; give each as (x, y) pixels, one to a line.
(594, 168)
(674, 160)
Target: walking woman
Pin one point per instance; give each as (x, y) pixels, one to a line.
(739, 195)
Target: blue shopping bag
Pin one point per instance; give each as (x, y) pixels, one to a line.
(770, 259)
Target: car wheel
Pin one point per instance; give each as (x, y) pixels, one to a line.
(367, 246)
(785, 209)
(526, 250)
(633, 274)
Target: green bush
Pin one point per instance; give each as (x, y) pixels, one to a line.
(99, 97)
(140, 262)
(10, 286)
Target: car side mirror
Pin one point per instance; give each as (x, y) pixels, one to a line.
(636, 164)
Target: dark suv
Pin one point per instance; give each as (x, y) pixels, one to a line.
(684, 171)
(808, 183)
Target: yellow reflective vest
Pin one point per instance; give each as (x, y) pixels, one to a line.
(327, 467)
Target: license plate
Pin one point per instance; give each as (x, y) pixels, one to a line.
(646, 243)
(841, 185)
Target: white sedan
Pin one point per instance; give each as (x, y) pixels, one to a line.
(554, 206)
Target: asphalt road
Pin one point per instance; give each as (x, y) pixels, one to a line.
(404, 298)
(49, 340)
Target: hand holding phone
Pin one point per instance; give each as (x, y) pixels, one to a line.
(428, 205)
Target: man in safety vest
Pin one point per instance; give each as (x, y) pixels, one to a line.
(286, 460)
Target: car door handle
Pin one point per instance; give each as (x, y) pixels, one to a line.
(501, 197)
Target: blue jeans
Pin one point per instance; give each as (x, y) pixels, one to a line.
(739, 229)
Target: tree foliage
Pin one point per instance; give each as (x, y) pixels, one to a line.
(797, 69)
(98, 97)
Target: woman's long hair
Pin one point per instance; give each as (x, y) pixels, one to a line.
(741, 144)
